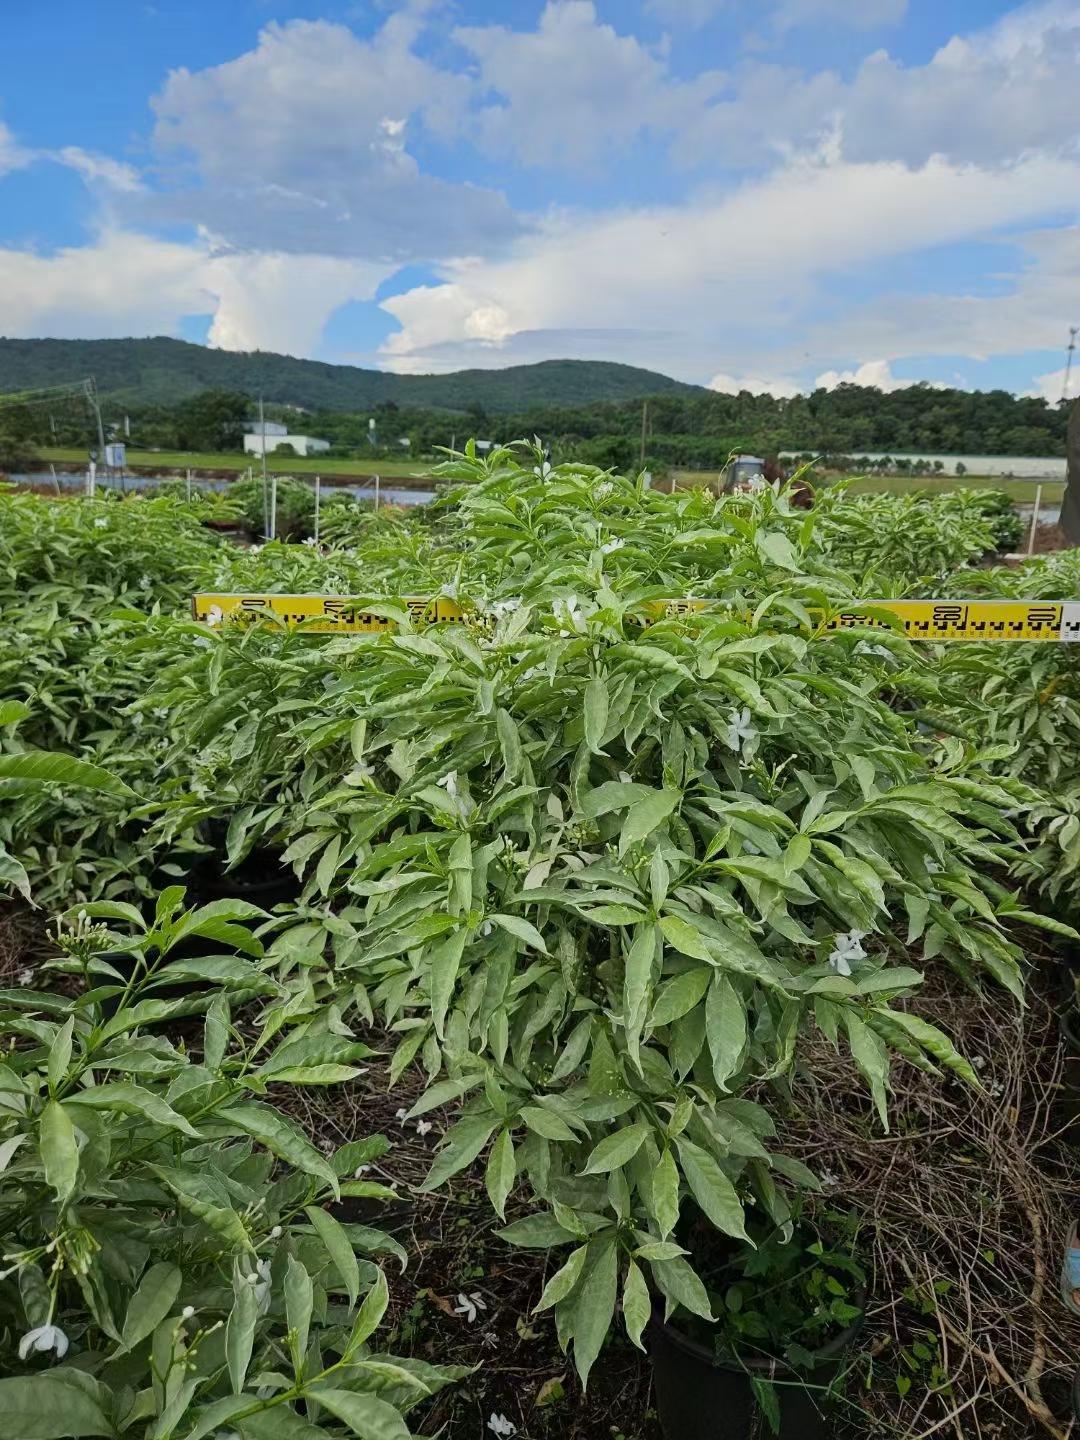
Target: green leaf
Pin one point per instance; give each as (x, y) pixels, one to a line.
(212, 1417)
(216, 1032)
(637, 1307)
(616, 1149)
(12, 711)
(14, 876)
(280, 1136)
(370, 1313)
(59, 1153)
(190, 1189)
(537, 1232)
(240, 1328)
(463, 1144)
(150, 1304)
(681, 1287)
(45, 1407)
(547, 1124)
(444, 962)
(338, 1247)
(678, 996)
(509, 743)
(725, 1028)
(872, 1058)
(514, 925)
(596, 713)
(685, 937)
(594, 1308)
(43, 768)
(132, 1099)
(934, 1042)
(299, 1299)
(712, 1189)
(665, 1193)
(644, 817)
(564, 1280)
(60, 1056)
(367, 1416)
(775, 546)
(501, 1172)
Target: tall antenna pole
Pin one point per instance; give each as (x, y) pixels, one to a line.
(266, 497)
(1069, 364)
(644, 430)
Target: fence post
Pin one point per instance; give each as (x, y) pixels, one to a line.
(318, 487)
(1035, 520)
(273, 508)
(376, 492)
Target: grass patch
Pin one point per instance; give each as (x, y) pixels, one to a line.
(276, 464)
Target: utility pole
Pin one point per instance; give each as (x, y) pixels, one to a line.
(266, 497)
(1069, 363)
(644, 430)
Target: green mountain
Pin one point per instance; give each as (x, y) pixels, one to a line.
(163, 371)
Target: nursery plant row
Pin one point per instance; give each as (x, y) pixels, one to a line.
(593, 866)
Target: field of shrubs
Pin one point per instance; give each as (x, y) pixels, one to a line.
(586, 1020)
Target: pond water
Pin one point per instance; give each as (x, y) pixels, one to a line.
(67, 480)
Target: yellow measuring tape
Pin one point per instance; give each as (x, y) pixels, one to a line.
(938, 621)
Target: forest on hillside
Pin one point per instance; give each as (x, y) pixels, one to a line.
(696, 431)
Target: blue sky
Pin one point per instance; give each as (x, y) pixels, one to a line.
(760, 193)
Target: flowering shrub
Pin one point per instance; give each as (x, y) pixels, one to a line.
(598, 874)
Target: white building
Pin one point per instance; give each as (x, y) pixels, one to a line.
(269, 427)
(299, 444)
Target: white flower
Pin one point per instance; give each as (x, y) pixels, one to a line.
(612, 546)
(261, 1281)
(254, 549)
(360, 1170)
(187, 1312)
(310, 540)
(275, 1233)
(468, 1305)
(979, 1062)
(215, 615)
(145, 583)
(603, 490)
(451, 590)
(449, 783)
(848, 948)
(740, 731)
(45, 1337)
(401, 1115)
(25, 977)
(500, 1425)
(828, 1180)
(542, 471)
(423, 1127)
(101, 523)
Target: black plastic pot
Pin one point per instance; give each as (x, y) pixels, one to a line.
(702, 1398)
(261, 879)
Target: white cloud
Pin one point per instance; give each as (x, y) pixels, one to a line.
(94, 168)
(129, 284)
(122, 284)
(875, 373)
(731, 385)
(987, 98)
(12, 154)
(573, 90)
(710, 285)
(301, 145)
(1051, 387)
(861, 14)
(282, 302)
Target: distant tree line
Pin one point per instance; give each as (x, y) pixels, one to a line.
(696, 431)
